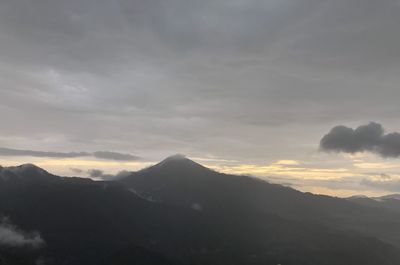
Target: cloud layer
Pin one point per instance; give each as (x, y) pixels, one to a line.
(228, 78)
(100, 154)
(10, 235)
(99, 174)
(365, 138)
(383, 182)
(246, 80)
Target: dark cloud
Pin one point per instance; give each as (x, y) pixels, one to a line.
(101, 154)
(96, 173)
(365, 138)
(99, 174)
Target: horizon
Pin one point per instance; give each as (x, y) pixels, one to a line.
(100, 175)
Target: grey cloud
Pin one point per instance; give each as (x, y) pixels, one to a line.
(77, 170)
(365, 138)
(385, 176)
(100, 154)
(10, 235)
(115, 156)
(16, 152)
(176, 76)
(387, 183)
(122, 174)
(99, 174)
(349, 183)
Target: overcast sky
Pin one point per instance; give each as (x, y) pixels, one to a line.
(244, 86)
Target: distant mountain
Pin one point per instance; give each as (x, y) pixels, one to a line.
(388, 202)
(377, 199)
(180, 213)
(389, 197)
(25, 174)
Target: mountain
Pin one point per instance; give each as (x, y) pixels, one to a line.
(389, 197)
(108, 223)
(378, 199)
(182, 182)
(178, 181)
(88, 222)
(389, 202)
(25, 174)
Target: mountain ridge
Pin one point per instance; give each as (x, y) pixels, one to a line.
(211, 191)
(198, 216)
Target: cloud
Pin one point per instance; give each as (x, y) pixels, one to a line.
(383, 182)
(76, 170)
(100, 154)
(365, 138)
(96, 173)
(177, 70)
(288, 163)
(12, 236)
(165, 76)
(99, 174)
(16, 152)
(115, 156)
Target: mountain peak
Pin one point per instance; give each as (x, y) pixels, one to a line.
(25, 172)
(176, 157)
(178, 160)
(177, 163)
(28, 167)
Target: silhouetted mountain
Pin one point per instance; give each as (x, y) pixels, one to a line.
(25, 174)
(181, 182)
(107, 223)
(84, 222)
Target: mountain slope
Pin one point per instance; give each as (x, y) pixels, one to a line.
(181, 182)
(389, 202)
(88, 222)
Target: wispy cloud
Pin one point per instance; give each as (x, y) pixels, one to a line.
(107, 155)
(115, 156)
(11, 235)
(18, 152)
(383, 182)
(287, 168)
(99, 174)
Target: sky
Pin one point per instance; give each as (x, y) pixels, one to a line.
(91, 88)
